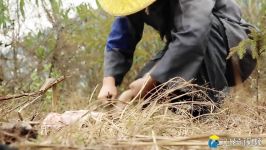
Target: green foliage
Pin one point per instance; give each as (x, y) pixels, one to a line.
(21, 6)
(258, 37)
(4, 17)
(56, 4)
(251, 44)
(255, 12)
(40, 52)
(36, 81)
(84, 11)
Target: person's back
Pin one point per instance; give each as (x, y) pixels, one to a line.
(227, 9)
(199, 36)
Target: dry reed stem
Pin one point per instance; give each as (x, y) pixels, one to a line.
(156, 126)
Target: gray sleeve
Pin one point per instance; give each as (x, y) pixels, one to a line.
(118, 57)
(186, 51)
(116, 64)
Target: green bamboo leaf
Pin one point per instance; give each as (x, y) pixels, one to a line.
(55, 6)
(4, 18)
(98, 4)
(40, 52)
(21, 7)
(37, 2)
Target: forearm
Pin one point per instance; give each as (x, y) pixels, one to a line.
(124, 36)
(116, 65)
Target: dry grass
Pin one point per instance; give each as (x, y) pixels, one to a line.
(155, 127)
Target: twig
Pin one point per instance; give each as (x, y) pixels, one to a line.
(55, 82)
(93, 92)
(141, 140)
(42, 146)
(15, 108)
(192, 138)
(20, 116)
(26, 105)
(154, 141)
(44, 88)
(4, 98)
(40, 92)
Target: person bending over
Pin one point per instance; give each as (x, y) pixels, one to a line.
(198, 35)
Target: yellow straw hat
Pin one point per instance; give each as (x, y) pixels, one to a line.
(124, 7)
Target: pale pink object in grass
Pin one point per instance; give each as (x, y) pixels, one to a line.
(56, 121)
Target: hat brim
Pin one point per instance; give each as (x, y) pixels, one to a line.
(124, 7)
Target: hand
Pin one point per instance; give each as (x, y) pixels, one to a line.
(108, 90)
(140, 86)
(143, 85)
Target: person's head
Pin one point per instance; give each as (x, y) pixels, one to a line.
(124, 7)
